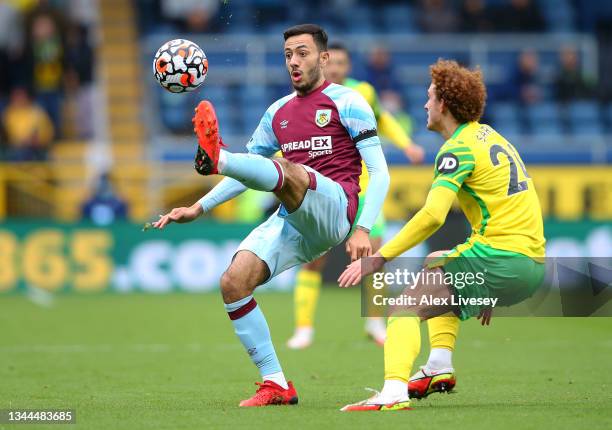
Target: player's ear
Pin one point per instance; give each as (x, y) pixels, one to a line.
(324, 58)
(443, 107)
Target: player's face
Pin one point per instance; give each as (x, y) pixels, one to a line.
(338, 67)
(434, 108)
(304, 62)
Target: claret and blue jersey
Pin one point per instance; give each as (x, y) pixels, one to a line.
(324, 130)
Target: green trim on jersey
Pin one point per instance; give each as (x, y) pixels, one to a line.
(446, 184)
(484, 211)
(461, 127)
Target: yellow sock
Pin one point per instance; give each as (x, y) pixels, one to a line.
(401, 347)
(443, 331)
(306, 296)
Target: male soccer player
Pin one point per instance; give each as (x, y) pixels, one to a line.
(324, 132)
(485, 172)
(308, 279)
(438, 374)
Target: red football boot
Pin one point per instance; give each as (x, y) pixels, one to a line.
(379, 403)
(270, 393)
(425, 382)
(206, 128)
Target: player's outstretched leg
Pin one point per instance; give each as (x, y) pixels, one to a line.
(245, 273)
(254, 171)
(305, 297)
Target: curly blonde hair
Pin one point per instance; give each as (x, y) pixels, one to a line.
(462, 89)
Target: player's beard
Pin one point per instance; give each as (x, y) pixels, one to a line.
(309, 80)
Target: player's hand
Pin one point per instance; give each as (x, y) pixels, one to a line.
(415, 153)
(355, 271)
(179, 215)
(359, 244)
(485, 316)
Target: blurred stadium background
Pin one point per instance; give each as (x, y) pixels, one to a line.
(92, 147)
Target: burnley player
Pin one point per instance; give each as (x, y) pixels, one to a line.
(308, 279)
(485, 173)
(324, 131)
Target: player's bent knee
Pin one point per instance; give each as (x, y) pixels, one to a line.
(294, 175)
(227, 282)
(232, 287)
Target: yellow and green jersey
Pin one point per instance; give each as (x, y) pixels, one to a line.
(494, 190)
(388, 127)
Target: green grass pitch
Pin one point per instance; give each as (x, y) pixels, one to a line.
(172, 361)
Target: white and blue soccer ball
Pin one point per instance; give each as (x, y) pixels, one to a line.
(180, 66)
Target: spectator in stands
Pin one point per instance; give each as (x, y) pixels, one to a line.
(519, 16)
(11, 42)
(379, 70)
(104, 206)
(192, 16)
(527, 86)
(3, 141)
(476, 17)
(44, 54)
(79, 79)
(437, 16)
(29, 130)
(570, 83)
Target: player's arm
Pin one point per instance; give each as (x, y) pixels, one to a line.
(359, 243)
(359, 120)
(389, 127)
(263, 142)
(422, 225)
(453, 167)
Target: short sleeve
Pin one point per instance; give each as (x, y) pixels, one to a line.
(454, 164)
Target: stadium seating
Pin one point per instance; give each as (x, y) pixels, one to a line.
(241, 104)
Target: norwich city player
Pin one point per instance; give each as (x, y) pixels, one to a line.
(308, 280)
(485, 172)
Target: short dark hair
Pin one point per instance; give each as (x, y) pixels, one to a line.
(318, 34)
(339, 46)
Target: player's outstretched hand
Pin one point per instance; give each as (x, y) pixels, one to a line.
(485, 316)
(359, 245)
(355, 271)
(415, 153)
(179, 215)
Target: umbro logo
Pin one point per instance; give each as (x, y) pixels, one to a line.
(284, 123)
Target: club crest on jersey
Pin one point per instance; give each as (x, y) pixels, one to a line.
(447, 163)
(323, 117)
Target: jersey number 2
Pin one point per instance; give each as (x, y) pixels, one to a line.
(514, 186)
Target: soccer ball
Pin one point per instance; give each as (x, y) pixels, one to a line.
(180, 66)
